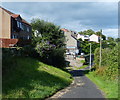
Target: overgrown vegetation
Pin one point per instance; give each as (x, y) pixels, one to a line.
(85, 46)
(106, 75)
(109, 64)
(24, 77)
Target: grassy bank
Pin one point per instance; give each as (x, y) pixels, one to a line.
(30, 78)
(110, 88)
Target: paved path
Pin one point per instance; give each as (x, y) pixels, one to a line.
(73, 62)
(82, 88)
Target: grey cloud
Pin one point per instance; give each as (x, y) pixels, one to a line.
(90, 14)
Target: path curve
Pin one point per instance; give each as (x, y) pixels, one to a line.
(83, 88)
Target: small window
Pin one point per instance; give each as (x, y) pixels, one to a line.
(13, 36)
(28, 37)
(28, 29)
(22, 26)
(18, 24)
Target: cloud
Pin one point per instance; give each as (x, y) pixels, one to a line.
(111, 32)
(72, 15)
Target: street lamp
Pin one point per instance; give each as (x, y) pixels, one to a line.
(90, 58)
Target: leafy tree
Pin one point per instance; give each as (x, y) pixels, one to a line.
(100, 34)
(110, 39)
(117, 39)
(85, 46)
(109, 43)
(48, 41)
(87, 32)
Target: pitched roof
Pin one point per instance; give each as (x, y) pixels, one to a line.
(24, 21)
(65, 30)
(6, 10)
(96, 35)
(14, 15)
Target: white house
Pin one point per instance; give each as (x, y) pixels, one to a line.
(83, 37)
(94, 38)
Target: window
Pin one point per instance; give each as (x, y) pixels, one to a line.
(14, 36)
(28, 29)
(25, 28)
(18, 24)
(28, 37)
(22, 26)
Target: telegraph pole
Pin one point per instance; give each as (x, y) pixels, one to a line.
(90, 56)
(100, 48)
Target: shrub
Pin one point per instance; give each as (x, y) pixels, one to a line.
(48, 42)
(109, 64)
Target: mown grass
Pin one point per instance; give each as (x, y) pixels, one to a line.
(30, 78)
(110, 88)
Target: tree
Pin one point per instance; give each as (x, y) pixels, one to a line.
(85, 46)
(100, 34)
(117, 39)
(110, 39)
(109, 43)
(48, 41)
(87, 32)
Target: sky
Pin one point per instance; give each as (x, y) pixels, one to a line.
(76, 16)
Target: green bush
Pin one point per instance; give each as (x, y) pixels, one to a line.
(109, 62)
(48, 42)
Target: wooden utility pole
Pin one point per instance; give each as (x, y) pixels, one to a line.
(100, 48)
(90, 56)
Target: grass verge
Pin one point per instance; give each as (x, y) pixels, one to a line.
(30, 78)
(82, 67)
(110, 88)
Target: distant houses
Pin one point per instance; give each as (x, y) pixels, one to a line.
(73, 43)
(14, 30)
(83, 37)
(93, 37)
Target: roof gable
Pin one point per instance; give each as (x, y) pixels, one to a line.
(15, 15)
(94, 35)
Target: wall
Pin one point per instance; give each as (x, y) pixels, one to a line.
(70, 41)
(5, 24)
(5, 43)
(94, 38)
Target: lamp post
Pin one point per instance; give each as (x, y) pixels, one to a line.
(90, 58)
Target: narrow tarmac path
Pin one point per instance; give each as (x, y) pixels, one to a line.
(82, 88)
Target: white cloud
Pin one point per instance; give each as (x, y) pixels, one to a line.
(111, 32)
